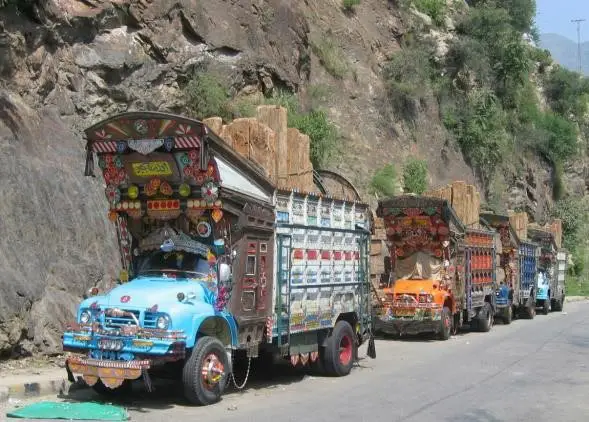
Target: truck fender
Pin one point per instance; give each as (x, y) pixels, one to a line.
(220, 325)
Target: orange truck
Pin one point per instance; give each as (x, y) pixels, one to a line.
(443, 274)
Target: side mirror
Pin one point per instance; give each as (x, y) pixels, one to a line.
(224, 272)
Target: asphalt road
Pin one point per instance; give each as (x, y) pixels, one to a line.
(528, 371)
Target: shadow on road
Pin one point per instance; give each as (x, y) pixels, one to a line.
(167, 394)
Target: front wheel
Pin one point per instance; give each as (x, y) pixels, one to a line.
(446, 322)
(485, 318)
(206, 372)
(340, 350)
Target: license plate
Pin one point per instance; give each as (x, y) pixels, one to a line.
(404, 312)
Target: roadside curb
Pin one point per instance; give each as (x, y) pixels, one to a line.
(38, 389)
(576, 298)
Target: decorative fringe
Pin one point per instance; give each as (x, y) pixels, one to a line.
(89, 170)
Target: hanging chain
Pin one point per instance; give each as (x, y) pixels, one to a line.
(240, 387)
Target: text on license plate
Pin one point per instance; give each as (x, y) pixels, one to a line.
(404, 311)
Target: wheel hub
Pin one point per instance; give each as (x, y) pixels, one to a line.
(345, 350)
(212, 370)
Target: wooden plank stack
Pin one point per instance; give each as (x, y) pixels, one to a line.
(519, 222)
(464, 199)
(281, 152)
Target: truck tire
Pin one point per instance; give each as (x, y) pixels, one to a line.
(446, 324)
(485, 323)
(508, 315)
(203, 384)
(558, 305)
(340, 350)
(124, 389)
(546, 307)
(530, 310)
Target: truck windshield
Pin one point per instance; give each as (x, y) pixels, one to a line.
(175, 264)
(419, 266)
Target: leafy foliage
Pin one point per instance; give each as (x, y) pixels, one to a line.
(478, 123)
(435, 9)
(567, 92)
(415, 176)
(384, 181)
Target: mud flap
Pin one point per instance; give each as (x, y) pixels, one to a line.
(70, 375)
(371, 352)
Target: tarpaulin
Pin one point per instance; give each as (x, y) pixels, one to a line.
(70, 411)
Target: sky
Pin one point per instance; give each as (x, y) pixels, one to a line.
(554, 16)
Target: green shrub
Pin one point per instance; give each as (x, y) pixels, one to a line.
(207, 97)
(415, 176)
(323, 134)
(350, 4)
(560, 142)
(435, 9)
(384, 181)
(573, 213)
(331, 56)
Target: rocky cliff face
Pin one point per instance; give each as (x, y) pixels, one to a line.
(65, 64)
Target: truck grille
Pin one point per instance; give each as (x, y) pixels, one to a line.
(122, 320)
(149, 319)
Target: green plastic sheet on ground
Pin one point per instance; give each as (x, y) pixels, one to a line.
(70, 411)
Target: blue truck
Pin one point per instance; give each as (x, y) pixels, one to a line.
(517, 260)
(550, 287)
(217, 265)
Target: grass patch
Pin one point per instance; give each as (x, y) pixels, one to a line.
(349, 5)
(331, 56)
(576, 287)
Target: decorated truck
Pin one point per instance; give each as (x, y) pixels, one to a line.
(216, 264)
(507, 300)
(442, 274)
(549, 288)
(529, 253)
(562, 259)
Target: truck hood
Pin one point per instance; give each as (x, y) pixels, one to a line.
(146, 292)
(414, 287)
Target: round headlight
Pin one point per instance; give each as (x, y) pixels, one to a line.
(85, 317)
(162, 322)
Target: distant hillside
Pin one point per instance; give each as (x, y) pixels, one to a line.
(564, 51)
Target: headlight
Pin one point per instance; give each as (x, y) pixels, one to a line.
(163, 322)
(85, 317)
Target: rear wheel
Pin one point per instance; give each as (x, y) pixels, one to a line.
(206, 372)
(340, 350)
(508, 315)
(546, 307)
(485, 318)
